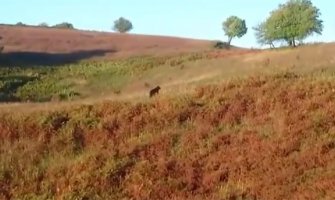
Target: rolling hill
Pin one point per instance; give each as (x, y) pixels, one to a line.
(227, 124)
(107, 45)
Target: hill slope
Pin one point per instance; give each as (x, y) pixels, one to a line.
(227, 125)
(260, 138)
(51, 40)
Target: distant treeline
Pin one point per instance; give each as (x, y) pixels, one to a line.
(63, 25)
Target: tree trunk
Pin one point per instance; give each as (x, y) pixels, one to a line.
(229, 40)
(293, 42)
(272, 46)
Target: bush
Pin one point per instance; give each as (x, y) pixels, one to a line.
(221, 45)
(43, 24)
(20, 24)
(41, 91)
(64, 25)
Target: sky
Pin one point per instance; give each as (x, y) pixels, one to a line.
(199, 19)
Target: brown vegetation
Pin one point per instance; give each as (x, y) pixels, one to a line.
(260, 138)
(57, 41)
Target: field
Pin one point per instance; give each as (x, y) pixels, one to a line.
(228, 124)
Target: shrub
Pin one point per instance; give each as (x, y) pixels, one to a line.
(40, 91)
(64, 25)
(43, 24)
(221, 45)
(20, 24)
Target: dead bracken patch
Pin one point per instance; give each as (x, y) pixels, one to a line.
(258, 138)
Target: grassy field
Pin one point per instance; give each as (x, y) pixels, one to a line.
(241, 125)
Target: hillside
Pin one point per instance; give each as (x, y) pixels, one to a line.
(48, 64)
(89, 44)
(227, 124)
(132, 78)
(265, 137)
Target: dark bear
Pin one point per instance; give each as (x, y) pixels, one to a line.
(154, 91)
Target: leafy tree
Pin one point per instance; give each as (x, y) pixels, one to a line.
(234, 27)
(122, 25)
(291, 22)
(262, 36)
(64, 25)
(221, 45)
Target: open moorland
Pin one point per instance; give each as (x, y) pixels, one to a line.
(76, 121)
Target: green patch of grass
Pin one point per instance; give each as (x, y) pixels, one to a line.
(83, 79)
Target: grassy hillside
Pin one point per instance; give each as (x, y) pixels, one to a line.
(82, 79)
(264, 137)
(134, 76)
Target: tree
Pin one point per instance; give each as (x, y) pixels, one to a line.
(122, 25)
(291, 22)
(262, 36)
(234, 27)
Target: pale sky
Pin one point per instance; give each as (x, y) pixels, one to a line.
(200, 19)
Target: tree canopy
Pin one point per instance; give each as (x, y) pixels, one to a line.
(234, 27)
(122, 25)
(263, 37)
(291, 22)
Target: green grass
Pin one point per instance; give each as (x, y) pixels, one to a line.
(79, 80)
